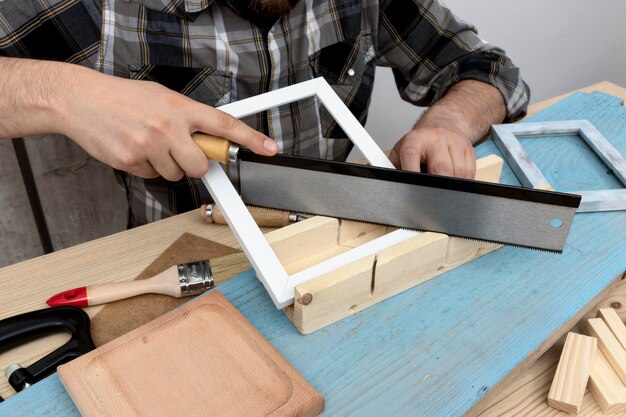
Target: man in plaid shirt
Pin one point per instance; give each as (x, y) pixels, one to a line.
(131, 80)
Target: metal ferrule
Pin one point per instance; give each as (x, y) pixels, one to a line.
(208, 212)
(233, 153)
(195, 277)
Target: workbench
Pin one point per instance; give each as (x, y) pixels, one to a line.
(444, 348)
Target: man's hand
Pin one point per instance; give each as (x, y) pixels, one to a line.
(446, 152)
(136, 126)
(144, 128)
(443, 138)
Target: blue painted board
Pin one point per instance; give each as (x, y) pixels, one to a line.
(436, 349)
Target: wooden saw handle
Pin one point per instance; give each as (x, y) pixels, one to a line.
(216, 148)
(263, 217)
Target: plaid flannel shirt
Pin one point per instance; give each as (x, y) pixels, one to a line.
(208, 51)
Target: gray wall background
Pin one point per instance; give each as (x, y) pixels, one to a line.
(561, 45)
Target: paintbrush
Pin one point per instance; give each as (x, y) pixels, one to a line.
(177, 281)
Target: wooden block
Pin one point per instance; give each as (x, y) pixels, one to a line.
(570, 380)
(545, 187)
(363, 283)
(303, 243)
(489, 168)
(353, 234)
(202, 359)
(333, 296)
(460, 250)
(606, 387)
(614, 323)
(608, 344)
(408, 264)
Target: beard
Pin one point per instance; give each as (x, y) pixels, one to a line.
(271, 8)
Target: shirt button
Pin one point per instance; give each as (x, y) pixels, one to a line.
(351, 72)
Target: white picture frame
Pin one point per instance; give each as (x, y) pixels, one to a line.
(505, 138)
(279, 285)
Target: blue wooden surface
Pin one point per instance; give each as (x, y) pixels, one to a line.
(436, 349)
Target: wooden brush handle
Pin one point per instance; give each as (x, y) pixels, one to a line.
(215, 148)
(164, 283)
(263, 217)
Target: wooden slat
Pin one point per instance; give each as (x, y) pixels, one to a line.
(608, 344)
(606, 387)
(572, 373)
(614, 323)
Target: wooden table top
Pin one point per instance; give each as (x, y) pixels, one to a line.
(122, 256)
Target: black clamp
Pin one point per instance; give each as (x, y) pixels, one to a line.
(27, 327)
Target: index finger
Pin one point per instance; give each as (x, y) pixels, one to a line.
(216, 122)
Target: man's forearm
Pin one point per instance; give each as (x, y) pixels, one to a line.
(469, 108)
(30, 95)
(137, 126)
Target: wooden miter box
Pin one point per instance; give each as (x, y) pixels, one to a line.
(351, 288)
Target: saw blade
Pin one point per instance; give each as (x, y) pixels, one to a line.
(416, 201)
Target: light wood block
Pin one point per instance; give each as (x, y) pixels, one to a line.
(572, 373)
(460, 250)
(333, 296)
(608, 344)
(408, 264)
(363, 283)
(353, 234)
(614, 323)
(304, 243)
(606, 387)
(202, 359)
(489, 168)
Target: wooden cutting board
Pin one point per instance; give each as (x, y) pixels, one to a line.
(202, 359)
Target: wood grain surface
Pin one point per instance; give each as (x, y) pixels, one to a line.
(606, 387)
(572, 373)
(202, 359)
(609, 346)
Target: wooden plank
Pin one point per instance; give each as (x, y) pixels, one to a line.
(572, 373)
(496, 398)
(408, 264)
(606, 387)
(353, 233)
(305, 243)
(167, 367)
(614, 323)
(332, 296)
(610, 347)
